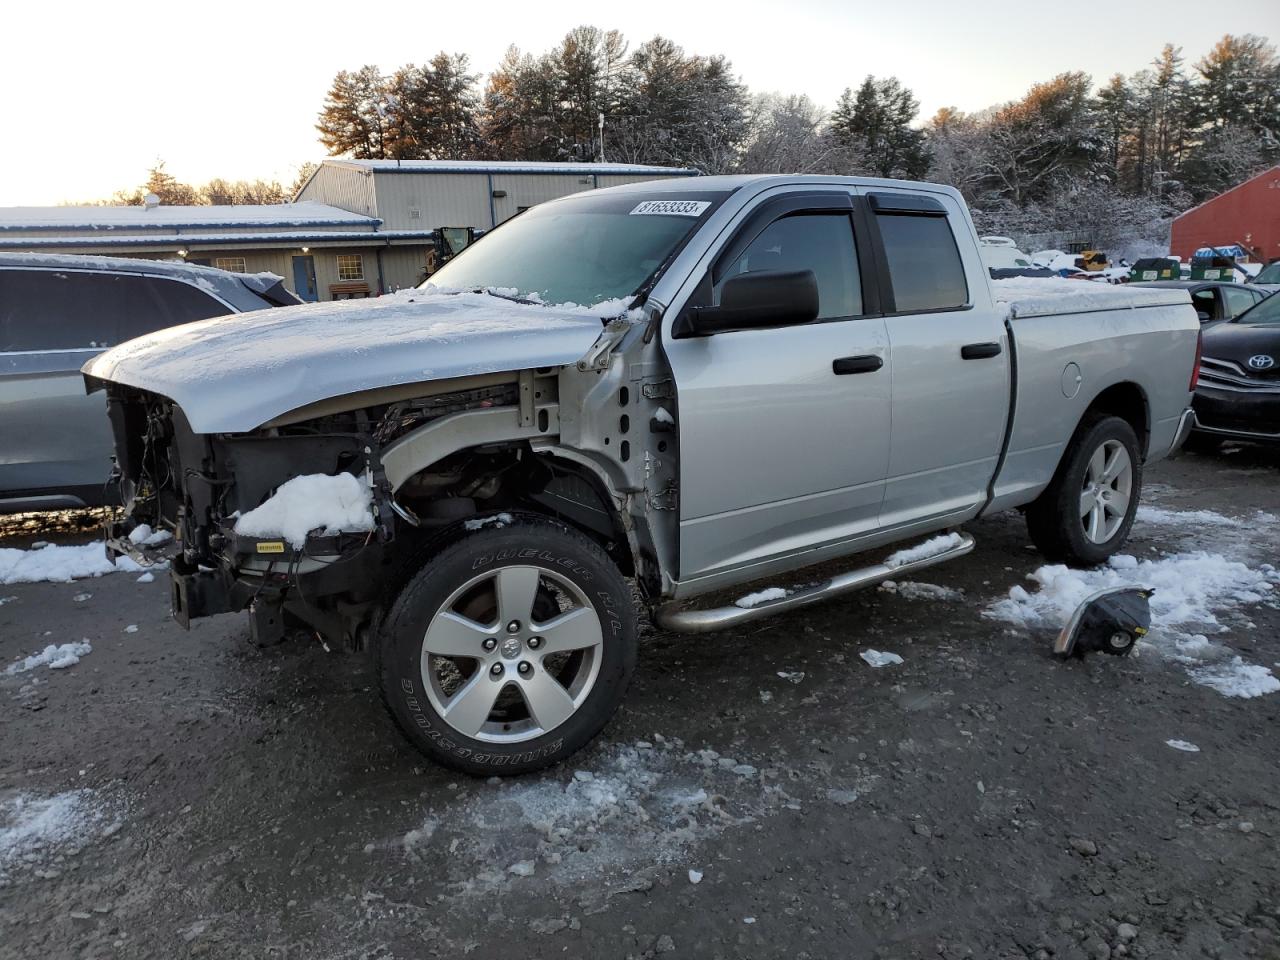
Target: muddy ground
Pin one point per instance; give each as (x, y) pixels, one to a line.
(979, 800)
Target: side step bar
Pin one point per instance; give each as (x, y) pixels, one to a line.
(679, 619)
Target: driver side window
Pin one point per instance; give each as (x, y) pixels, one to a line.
(821, 242)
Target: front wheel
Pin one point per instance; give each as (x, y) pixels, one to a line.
(510, 649)
(1085, 514)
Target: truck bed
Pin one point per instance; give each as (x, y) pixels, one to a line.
(1039, 297)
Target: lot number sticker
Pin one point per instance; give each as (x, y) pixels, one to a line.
(671, 208)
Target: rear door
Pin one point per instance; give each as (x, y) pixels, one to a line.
(951, 383)
(57, 441)
(783, 431)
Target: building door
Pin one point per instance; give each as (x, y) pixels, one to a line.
(304, 278)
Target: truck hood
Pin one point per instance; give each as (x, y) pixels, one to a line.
(233, 374)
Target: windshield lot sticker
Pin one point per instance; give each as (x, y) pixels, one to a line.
(671, 208)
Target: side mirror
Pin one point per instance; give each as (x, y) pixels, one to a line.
(765, 298)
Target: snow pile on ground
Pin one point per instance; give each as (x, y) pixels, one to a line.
(930, 548)
(1235, 678)
(759, 597)
(879, 658)
(630, 807)
(55, 657)
(57, 564)
(1191, 590)
(1184, 745)
(910, 590)
(1182, 518)
(338, 504)
(31, 826)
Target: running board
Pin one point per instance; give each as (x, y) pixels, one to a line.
(680, 619)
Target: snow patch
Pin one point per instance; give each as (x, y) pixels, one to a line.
(760, 596)
(632, 807)
(147, 577)
(1184, 745)
(317, 501)
(55, 657)
(930, 548)
(1235, 678)
(910, 590)
(32, 826)
(1191, 590)
(58, 564)
(879, 658)
(143, 535)
(497, 520)
(663, 415)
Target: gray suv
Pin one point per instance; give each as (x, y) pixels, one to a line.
(56, 313)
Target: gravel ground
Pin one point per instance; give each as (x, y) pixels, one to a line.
(762, 793)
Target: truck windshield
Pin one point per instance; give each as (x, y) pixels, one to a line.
(1269, 274)
(1268, 311)
(583, 250)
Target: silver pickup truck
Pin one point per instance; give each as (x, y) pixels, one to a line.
(483, 480)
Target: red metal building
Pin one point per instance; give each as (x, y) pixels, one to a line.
(1248, 214)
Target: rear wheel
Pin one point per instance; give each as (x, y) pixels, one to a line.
(1085, 514)
(510, 649)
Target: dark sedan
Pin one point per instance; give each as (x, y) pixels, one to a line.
(1214, 299)
(1238, 397)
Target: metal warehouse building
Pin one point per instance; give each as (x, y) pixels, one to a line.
(1248, 215)
(413, 194)
(357, 228)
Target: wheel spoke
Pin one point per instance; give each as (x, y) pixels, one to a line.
(1117, 462)
(1097, 464)
(1097, 518)
(575, 630)
(453, 636)
(1087, 500)
(469, 708)
(1118, 502)
(516, 588)
(549, 703)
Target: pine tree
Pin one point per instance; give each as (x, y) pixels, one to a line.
(435, 110)
(875, 126)
(356, 117)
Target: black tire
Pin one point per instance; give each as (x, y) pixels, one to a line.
(527, 540)
(1054, 520)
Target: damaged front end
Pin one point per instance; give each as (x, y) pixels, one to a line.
(195, 486)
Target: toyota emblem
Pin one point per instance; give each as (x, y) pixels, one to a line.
(1262, 362)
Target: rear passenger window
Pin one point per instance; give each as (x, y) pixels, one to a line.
(820, 242)
(1238, 301)
(924, 262)
(67, 310)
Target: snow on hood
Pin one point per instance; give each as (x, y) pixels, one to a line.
(232, 374)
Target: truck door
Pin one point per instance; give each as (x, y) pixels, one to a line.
(784, 431)
(951, 366)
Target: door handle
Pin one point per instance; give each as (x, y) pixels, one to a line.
(979, 351)
(867, 364)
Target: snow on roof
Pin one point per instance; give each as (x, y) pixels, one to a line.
(510, 166)
(307, 213)
(264, 237)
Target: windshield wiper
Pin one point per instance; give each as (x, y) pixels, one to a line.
(506, 296)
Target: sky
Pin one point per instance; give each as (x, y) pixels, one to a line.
(97, 92)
